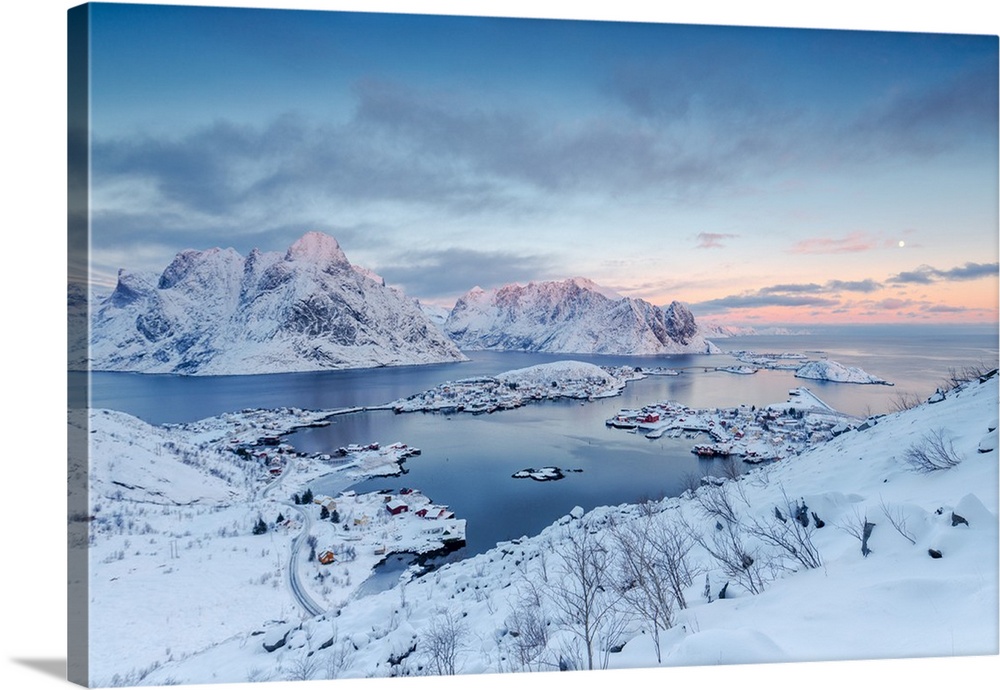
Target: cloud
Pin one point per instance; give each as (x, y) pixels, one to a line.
(826, 296)
(792, 287)
(854, 242)
(757, 300)
(925, 120)
(893, 304)
(924, 275)
(945, 309)
(452, 272)
(866, 285)
(713, 240)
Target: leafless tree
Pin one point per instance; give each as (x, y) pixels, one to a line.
(671, 544)
(934, 451)
(725, 541)
(443, 642)
(588, 603)
(644, 586)
(690, 482)
(528, 632)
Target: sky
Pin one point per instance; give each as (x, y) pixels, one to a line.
(759, 175)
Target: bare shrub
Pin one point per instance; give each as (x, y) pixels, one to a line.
(934, 451)
(303, 668)
(958, 376)
(442, 643)
(904, 401)
(528, 631)
(726, 544)
(716, 502)
(791, 536)
(857, 526)
(897, 520)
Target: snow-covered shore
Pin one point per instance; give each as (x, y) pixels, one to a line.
(804, 368)
(927, 586)
(194, 533)
(512, 389)
(772, 432)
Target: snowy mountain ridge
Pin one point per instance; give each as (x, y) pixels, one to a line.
(215, 312)
(571, 316)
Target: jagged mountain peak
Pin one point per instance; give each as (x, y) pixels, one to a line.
(192, 265)
(317, 247)
(571, 316)
(216, 312)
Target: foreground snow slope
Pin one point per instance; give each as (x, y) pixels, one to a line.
(216, 312)
(512, 608)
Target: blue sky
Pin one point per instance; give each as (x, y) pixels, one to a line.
(756, 174)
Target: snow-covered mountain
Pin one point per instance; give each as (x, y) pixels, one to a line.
(718, 330)
(571, 316)
(216, 312)
(435, 313)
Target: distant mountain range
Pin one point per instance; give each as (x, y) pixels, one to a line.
(714, 330)
(217, 312)
(571, 316)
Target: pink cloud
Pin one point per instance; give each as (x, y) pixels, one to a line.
(854, 242)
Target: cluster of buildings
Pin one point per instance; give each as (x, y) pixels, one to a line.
(750, 433)
(490, 394)
(386, 522)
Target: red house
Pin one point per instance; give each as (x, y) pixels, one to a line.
(395, 507)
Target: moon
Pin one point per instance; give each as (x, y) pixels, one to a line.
(902, 244)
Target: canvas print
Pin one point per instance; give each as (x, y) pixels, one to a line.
(408, 345)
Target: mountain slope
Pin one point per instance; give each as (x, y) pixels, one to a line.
(571, 316)
(926, 587)
(216, 312)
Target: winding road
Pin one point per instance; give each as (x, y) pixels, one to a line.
(309, 606)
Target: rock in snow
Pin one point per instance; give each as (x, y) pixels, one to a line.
(216, 312)
(571, 316)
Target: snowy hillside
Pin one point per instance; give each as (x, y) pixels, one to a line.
(435, 313)
(828, 370)
(571, 316)
(216, 312)
(880, 543)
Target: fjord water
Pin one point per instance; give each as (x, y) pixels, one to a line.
(467, 460)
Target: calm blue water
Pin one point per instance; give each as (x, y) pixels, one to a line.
(467, 460)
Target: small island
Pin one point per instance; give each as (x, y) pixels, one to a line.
(544, 474)
(519, 387)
